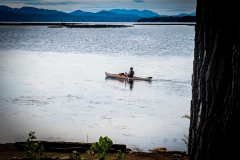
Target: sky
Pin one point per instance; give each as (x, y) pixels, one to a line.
(162, 7)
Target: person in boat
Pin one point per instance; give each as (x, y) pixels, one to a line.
(130, 73)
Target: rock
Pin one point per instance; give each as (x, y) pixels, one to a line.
(15, 158)
(64, 158)
(128, 150)
(159, 149)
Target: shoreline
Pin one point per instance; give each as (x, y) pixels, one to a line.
(90, 24)
(61, 146)
(63, 150)
(67, 25)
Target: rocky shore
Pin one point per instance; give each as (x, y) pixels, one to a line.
(67, 25)
(62, 150)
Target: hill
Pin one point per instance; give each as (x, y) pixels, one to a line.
(40, 15)
(144, 13)
(31, 14)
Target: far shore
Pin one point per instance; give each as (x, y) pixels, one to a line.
(92, 24)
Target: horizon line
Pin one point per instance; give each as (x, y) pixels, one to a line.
(101, 10)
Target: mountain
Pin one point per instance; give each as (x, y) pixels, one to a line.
(81, 13)
(21, 17)
(147, 13)
(39, 15)
(193, 14)
(182, 14)
(103, 14)
(107, 14)
(60, 17)
(32, 10)
(112, 14)
(186, 14)
(29, 10)
(6, 8)
(144, 13)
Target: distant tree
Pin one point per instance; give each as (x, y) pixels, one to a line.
(169, 19)
(187, 19)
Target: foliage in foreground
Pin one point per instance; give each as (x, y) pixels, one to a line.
(185, 139)
(120, 155)
(99, 149)
(32, 148)
(76, 155)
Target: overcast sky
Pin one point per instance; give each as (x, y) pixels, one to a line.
(162, 7)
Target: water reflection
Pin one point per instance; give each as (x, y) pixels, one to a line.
(127, 82)
(130, 82)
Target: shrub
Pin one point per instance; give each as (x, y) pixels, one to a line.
(99, 149)
(32, 148)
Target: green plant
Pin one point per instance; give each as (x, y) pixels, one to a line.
(186, 116)
(120, 155)
(99, 149)
(47, 156)
(76, 155)
(185, 139)
(32, 148)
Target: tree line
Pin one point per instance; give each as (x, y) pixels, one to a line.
(169, 19)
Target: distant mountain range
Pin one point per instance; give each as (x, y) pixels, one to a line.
(40, 15)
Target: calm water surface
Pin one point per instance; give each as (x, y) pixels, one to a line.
(52, 82)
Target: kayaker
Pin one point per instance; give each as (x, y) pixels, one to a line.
(130, 73)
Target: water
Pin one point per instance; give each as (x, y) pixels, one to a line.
(52, 82)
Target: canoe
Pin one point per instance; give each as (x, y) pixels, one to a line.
(127, 78)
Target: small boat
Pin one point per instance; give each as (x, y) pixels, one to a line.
(120, 76)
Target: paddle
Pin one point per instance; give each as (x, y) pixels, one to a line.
(127, 76)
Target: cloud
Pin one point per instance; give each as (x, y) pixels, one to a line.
(21, 1)
(42, 2)
(138, 1)
(50, 3)
(177, 10)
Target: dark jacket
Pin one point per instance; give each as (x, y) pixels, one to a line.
(130, 73)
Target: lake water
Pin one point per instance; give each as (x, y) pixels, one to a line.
(52, 81)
